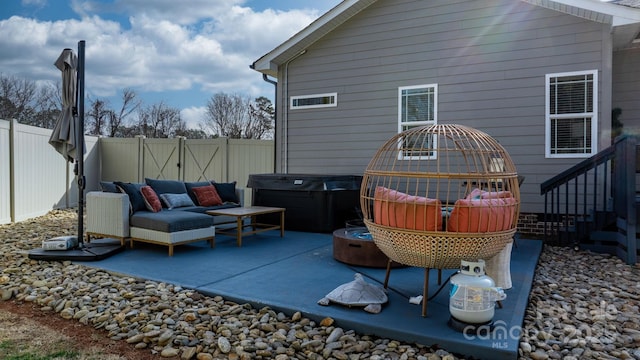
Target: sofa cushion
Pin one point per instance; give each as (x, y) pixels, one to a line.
(151, 199)
(482, 215)
(207, 196)
(397, 209)
(136, 200)
(193, 184)
(203, 209)
(172, 201)
(227, 192)
(166, 186)
(170, 220)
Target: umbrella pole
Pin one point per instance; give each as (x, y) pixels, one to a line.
(80, 145)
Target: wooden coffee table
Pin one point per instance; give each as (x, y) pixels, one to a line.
(240, 213)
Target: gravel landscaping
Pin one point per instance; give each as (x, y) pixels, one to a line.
(582, 306)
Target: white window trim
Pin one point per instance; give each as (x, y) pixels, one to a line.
(429, 122)
(594, 116)
(334, 104)
(435, 104)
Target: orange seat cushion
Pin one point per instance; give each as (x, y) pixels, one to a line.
(397, 209)
(482, 215)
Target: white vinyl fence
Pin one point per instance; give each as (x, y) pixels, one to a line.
(221, 159)
(35, 178)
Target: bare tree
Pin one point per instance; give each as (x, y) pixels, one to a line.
(236, 116)
(160, 121)
(226, 114)
(232, 116)
(130, 103)
(25, 101)
(17, 94)
(261, 118)
(106, 121)
(48, 105)
(97, 116)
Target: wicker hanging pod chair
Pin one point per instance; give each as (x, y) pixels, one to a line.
(433, 196)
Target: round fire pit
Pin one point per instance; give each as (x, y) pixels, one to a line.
(355, 246)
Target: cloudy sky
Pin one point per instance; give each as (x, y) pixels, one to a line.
(180, 52)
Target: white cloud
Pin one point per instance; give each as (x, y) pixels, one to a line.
(193, 116)
(164, 46)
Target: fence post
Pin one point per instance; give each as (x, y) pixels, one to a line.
(12, 172)
(140, 170)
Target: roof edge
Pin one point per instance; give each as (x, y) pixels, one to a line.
(594, 10)
(310, 34)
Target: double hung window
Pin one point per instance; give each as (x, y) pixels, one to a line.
(571, 114)
(417, 106)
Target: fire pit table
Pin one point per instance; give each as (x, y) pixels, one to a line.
(355, 246)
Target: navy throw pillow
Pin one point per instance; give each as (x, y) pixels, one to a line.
(166, 186)
(135, 195)
(227, 192)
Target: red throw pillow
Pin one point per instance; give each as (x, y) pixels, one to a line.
(151, 200)
(207, 195)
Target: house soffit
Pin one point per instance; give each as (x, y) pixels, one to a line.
(298, 43)
(622, 15)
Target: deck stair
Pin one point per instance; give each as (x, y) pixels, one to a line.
(594, 205)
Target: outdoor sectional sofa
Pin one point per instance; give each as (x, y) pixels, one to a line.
(165, 212)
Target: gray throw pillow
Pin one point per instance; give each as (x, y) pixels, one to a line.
(173, 201)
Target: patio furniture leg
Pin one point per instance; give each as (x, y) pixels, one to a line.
(282, 224)
(425, 292)
(386, 276)
(439, 276)
(239, 229)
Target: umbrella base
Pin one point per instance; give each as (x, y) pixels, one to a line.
(98, 249)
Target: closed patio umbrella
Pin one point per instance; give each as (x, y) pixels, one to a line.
(63, 137)
(68, 139)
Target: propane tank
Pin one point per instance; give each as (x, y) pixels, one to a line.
(473, 294)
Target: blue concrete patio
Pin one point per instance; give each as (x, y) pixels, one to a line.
(292, 273)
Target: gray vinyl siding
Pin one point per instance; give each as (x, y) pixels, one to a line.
(488, 57)
(626, 88)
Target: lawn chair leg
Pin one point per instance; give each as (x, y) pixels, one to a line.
(425, 292)
(386, 276)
